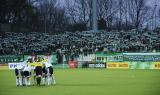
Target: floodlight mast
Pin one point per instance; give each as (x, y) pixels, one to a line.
(94, 19)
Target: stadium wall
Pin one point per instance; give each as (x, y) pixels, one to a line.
(101, 60)
(129, 60)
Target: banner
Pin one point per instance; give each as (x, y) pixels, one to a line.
(11, 58)
(15, 65)
(141, 57)
(144, 65)
(127, 57)
(117, 65)
(97, 65)
(109, 57)
(91, 65)
(100, 65)
(141, 65)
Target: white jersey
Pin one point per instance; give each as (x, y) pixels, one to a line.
(47, 64)
(27, 68)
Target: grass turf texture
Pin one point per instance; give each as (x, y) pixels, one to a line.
(89, 82)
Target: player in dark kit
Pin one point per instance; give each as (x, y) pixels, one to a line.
(38, 71)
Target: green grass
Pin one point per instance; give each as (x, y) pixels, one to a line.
(89, 82)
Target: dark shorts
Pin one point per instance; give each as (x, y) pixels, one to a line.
(44, 70)
(50, 70)
(38, 70)
(26, 73)
(22, 73)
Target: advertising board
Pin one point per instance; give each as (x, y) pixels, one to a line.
(117, 65)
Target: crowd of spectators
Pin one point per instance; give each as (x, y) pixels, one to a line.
(86, 41)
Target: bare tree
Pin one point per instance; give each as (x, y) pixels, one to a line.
(107, 10)
(79, 10)
(52, 16)
(137, 11)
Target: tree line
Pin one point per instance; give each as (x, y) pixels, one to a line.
(76, 15)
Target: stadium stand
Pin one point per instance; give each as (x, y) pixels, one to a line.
(86, 41)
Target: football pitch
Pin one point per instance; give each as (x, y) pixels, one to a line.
(88, 82)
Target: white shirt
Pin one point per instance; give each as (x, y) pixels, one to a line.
(27, 68)
(47, 64)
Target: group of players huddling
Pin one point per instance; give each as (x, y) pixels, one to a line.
(35, 72)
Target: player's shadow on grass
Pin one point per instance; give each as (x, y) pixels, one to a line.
(86, 84)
